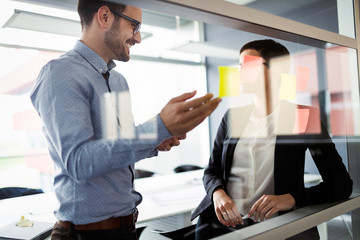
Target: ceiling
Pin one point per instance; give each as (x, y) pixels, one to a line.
(305, 11)
(163, 36)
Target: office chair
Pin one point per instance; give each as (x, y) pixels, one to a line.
(186, 167)
(143, 173)
(10, 192)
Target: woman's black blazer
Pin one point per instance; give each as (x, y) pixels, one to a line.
(289, 159)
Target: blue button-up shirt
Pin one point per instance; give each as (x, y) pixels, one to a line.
(94, 177)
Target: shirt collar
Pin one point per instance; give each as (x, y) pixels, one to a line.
(93, 58)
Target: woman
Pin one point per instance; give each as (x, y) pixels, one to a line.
(257, 163)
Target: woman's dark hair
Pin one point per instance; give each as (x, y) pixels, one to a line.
(267, 48)
(87, 9)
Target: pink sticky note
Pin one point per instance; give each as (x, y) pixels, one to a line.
(301, 120)
(302, 76)
(250, 69)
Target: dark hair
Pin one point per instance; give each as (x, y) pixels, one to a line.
(267, 48)
(87, 9)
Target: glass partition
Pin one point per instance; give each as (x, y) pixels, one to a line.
(282, 128)
(320, 84)
(324, 78)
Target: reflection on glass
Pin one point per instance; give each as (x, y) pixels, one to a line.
(343, 88)
(118, 119)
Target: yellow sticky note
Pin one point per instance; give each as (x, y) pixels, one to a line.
(288, 87)
(24, 222)
(229, 82)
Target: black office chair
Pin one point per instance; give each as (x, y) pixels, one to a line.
(186, 167)
(139, 173)
(10, 192)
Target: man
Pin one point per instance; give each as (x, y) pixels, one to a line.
(94, 176)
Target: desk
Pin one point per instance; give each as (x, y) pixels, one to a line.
(168, 197)
(38, 207)
(168, 201)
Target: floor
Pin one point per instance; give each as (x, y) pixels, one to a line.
(338, 228)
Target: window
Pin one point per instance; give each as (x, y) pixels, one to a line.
(24, 159)
(164, 73)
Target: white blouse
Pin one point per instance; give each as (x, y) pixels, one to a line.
(252, 171)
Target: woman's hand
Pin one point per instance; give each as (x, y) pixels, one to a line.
(268, 205)
(225, 209)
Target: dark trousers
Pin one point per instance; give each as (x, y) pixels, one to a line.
(62, 233)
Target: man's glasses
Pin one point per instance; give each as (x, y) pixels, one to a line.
(136, 22)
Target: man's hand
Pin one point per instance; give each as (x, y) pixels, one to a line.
(181, 116)
(268, 205)
(170, 142)
(225, 209)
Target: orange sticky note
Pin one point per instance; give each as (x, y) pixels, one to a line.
(229, 84)
(302, 76)
(250, 69)
(301, 120)
(288, 87)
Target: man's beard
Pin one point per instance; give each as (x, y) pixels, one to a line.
(114, 44)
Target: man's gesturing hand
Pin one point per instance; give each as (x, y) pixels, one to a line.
(181, 116)
(169, 143)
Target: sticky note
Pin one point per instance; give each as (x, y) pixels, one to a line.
(250, 68)
(302, 76)
(229, 84)
(301, 120)
(24, 222)
(288, 87)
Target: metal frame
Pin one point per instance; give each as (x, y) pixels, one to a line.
(246, 19)
(295, 222)
(354, 146)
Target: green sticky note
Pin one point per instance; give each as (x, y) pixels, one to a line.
(229, 81)
(288, 87)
